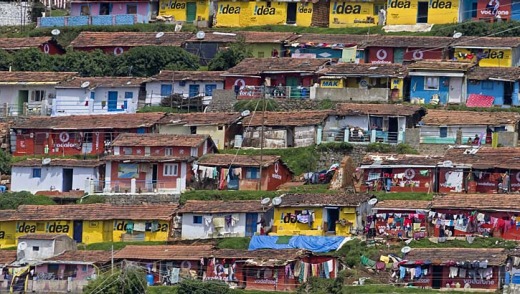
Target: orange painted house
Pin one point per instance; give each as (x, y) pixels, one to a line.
(156, 162)
(76, 134)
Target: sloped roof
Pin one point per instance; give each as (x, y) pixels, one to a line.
(105, 82)
(262, 257)
(266, 37)
(410, 41)
(164, 252)
(148, 158)
(214, 37)
(494, 256)
(66, 162)
(256, 66)
(320, 200)
(486, 42)
(401, 159)
(22, 43)
(437, 117)
(7, 257)
(485, 157)
(200, 119)
(364, 70)
(289, 118)
(91, 122)
(499, 73)
(482, 202)
(36, 77)
(171, 75)
(347, 40)
(352, 109)
(237, 160)
(219, 206)
(159, 140)
(129, 39)
(441, 65)
(83, 256)
(42, 236)
(403, 204)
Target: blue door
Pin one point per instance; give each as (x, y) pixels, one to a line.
(77, 235)
(166, 90)
(194, 90)
(209, 90)
(112, 101)
(251, 220)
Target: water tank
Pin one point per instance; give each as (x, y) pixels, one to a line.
(149, 279)
(238, 141)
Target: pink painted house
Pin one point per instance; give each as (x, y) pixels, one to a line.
(143, 9)
(79, 265)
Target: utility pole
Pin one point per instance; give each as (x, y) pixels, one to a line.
(112, 259)
(262, 139)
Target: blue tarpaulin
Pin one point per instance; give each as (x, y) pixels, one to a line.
(312, 243)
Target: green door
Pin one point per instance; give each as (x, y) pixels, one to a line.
(191, 11)
(293, 82)
(23, 97)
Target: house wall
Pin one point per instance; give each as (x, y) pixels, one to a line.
(497, 90)
(117, 8)
(262, 50)
(177, 9)
(341, 122)
(402, 179)
(174, 129)
(417, 89)
(143, 177)
(56, 286)
(422, 53)
(51, 48)
(274, 176)
(495, 57)
(401, 12)
(46, 249)
(10, 94)
(217, 135)
(153, 89)
(82, 271)
(78, 101)
(120, 229)
(51, 178)
(431, 134)
(357, 14)
(191, 230)
(243, 14)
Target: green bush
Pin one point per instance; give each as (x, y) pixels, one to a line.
(335, 147)
(131, 280)
(389, 148)
(91, 199)
(198, 287)
(234, 243)
(11, 200)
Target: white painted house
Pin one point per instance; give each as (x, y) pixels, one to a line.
(29, 93)
(61, 175)
(217, 219)
(36, 247)
(187, 83)
(98, 95)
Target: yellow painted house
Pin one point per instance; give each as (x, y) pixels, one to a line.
(320, 214)
(354, 13)
(88, 223)
(185, 11)
(409, 12)
(488, 51)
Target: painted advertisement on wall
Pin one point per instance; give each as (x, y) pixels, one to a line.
(494, 9)
(128, 170)
(243, 14)
(379, 55)
(443, 11)
(343, 13)
(485, 57)
(182, 10)
(422, 54)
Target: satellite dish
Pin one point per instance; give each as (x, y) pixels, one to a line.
(277, 200)
(245, 113)
(265, 201)
(406, 249)
(372, 201)
(457, 35)
(46, 161)
(447, 163)
(159, 34)
(201, 35)
(85, 84)
(55, 32)
(22, 246)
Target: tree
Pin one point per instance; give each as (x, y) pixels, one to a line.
(130, 280)
(32, 60)
(231, 56)
(87, 64)
(199, 287)
(5, 162)
(5, 60)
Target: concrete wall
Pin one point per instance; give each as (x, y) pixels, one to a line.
(11, 13)
(153, 89)
(9, 94)
(56, 286)
(202, 231)
(37, 249)
(353, 94)
(51, 176)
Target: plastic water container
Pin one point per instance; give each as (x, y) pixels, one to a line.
(149, 279)
(238, 141)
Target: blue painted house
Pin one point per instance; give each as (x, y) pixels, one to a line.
(439, 82)
(501, 83)
(349, 47)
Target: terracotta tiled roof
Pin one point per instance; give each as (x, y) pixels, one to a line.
(494, 256)
(21, 43)
(38, 77)
(164, 252)
(487, 42)
(170, 75)
(352, 109)
(401, 159)
(482, 202)
(410, 41)
(485, 157)
(347, 40)
(266, 37)
(200, 119)
(219, 206)
(42, 236)
(93, 212)
(365, 70)
(320, 200)
(403, 204)
(148, 159)
(7, 256)
(256, 66)
(105, 82)
(83, 256)
(262, 257)
(159, 140)
(436, 117)
(34, 162)
(214, 37)
(238, 160)
(128, 39)
(500, 73)
(91, 122)
(441, 65)
(292, 118)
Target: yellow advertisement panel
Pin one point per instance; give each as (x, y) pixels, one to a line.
(401, 12)
(304, 14)
(43, 227)
(178, 9)
(152, 231)
(243, 14)
(331, 83)
(443, 11)
(7, 234)
(344, 14)
(485, 57)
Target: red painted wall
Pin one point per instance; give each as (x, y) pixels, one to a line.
(422, 53)
(51, 48)
(411, 175)
(380, 55)
(274, 176)
(427, 280)
(108, 50)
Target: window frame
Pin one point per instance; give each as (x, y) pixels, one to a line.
(168, 151)
(249, 173)
(170, 169)
(443, 132)
(197, 220)
(128, 6)
(426, 88)
(487, 85)
(37, 172)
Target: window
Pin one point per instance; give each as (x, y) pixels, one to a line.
(378, 7)
(40, 227)
(220, 128)
(104, 8)
(131, 9)
(36, 248)
(129, 95)
(36, 172)
(431, 83)
(252, 173)
(92, 95)
(443, 132)
(38, 95)
(127, 150)
(487, 85)
(197, 219)
(170, 169)
(84, 10)
(168, 151)
(208, 91)
(193, 130)
(84, 268)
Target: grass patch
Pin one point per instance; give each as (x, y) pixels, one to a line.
(92, 199)
(234, 243)
(381, 195)
(118, 245)
(389, 148)
(389, 289)
(477, 243)
(162, 290)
